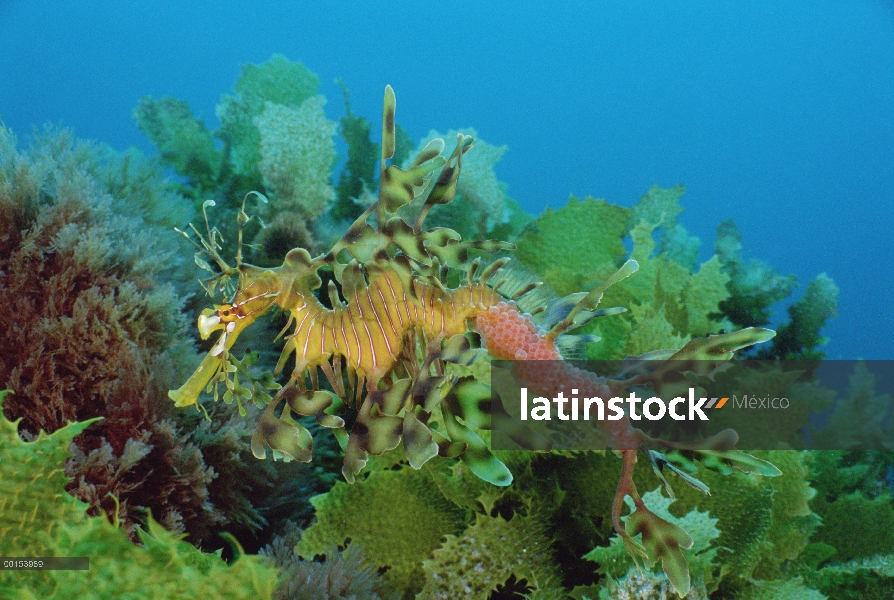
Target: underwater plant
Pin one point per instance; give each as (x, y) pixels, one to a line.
(343, 575)
(39, 519)
(673, 297)
(392, 327)
(754, 287)
(274, 138)
(93, 328)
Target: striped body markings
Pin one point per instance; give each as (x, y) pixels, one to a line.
(371, 330)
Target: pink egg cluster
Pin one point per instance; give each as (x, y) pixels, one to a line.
(511, 335)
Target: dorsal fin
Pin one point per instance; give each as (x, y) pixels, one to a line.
(574, 347)
(514, 277)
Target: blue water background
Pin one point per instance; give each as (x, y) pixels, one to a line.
(779, 115)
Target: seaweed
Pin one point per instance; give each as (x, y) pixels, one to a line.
(358, 175)
(274, 138)
(279, 82)
(402, 521)
(798, 338)
(183, 141)
(94, 329)
(40, 519)
(339, 575)
(672, 298)
(668, 303)
(490, 553)
(754, 286)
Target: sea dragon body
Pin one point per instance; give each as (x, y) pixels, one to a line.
(369, 331)
(383, 341)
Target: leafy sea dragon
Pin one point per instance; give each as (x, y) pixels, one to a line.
(391, 325)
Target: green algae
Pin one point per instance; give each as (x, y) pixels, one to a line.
(38, 518)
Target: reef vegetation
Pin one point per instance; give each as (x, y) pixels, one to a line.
(406, 500)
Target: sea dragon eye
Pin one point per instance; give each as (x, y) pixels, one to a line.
(228, 313)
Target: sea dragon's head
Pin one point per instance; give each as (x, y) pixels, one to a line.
(256, 295)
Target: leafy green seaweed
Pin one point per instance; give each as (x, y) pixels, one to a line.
(397, 517)
(40, 519)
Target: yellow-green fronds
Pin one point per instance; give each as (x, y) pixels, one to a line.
(297, 152)
(668, 301)
(579, 244)
(33, 501)
(403, 519)
(279, 81)
(164, 567)
(38, 518)
(183, 141)
(488, 555)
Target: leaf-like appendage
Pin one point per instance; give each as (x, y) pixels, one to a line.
(725, 461)
(722, 346)
(317, 404)
(663, 540)
(701, 356)
(594, 297)
(371, 434)
(477, 456)
(458, 351)
(717, 453)
(388, 138)
(419, 445)
(409, 242)
(397, 186)
(283, 435)
(470, 400)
